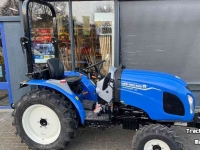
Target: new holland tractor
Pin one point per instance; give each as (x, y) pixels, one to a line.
(48, 117)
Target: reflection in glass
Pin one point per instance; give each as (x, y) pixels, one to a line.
(64, 45)
(4, 98)
(93, 32)
(41, 25)
(2, 65)
(9, 7)
(42, 31)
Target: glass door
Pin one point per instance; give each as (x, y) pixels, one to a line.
(5, 99)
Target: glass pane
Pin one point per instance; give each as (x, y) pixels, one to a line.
(93, 33)
(41, 25)
(2, 65)
(64, 46)
(42, 31)
(9, 8)
(4, 98)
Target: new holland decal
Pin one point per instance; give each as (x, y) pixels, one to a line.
(133, 86)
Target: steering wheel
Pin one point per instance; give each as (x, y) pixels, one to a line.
(100, 76)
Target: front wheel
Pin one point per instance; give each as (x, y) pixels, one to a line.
(45, 120)
(156, 137)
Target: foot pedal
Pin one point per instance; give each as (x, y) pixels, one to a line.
(91, 116)
(88, 105)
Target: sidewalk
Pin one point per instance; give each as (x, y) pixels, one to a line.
(86, 138)
(8, 139)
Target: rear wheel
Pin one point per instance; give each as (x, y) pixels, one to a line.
(156, 137)
(45, 120)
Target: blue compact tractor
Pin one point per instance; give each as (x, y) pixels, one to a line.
(48, 117)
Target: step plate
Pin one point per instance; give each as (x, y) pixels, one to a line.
(90, 115)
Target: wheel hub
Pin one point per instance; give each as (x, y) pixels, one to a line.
(156, 144)
(156, 147)
(43, 122)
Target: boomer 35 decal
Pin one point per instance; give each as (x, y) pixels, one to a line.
(135, 86)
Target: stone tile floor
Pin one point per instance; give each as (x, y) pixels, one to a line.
(87, 138)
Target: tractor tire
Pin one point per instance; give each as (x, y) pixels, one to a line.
(156, 137)
(45, 120)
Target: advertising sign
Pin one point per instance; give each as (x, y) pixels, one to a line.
(42, 58)
(42, 35)
(43, 49)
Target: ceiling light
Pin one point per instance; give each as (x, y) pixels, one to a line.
(58, 8)
(39, 17)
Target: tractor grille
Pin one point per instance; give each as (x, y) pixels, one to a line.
(172, 104)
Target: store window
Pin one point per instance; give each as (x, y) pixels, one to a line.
(93, 33)
(42, 30)
(9, 8)
(2, 63)
(41, 25)
(3, 93)
(64, 42)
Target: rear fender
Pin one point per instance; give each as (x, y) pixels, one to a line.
(62, 88)
(87, 85)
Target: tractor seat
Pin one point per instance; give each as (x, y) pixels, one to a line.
(73, 79)
(56, 71)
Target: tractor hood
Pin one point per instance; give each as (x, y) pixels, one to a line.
(152, 78)
(161, 95)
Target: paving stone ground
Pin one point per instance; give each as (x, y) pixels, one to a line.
(86, 138)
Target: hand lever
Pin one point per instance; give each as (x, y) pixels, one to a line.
(24, 41)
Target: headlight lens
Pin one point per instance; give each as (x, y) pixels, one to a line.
(191, 102)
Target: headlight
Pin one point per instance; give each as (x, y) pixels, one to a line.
(191, 102)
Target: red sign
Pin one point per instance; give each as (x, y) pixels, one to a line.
(42, 35)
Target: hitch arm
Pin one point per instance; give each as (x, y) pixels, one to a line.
(195, 123)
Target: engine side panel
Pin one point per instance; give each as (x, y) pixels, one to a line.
(146, 92)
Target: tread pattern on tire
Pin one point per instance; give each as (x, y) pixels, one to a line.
(62, 105)
(156, 129)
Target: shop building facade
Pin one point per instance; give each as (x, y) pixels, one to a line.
(153, 35)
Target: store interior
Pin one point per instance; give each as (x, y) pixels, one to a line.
(3, 93)
(93, 23)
